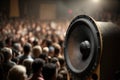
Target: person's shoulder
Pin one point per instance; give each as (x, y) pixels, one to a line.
(40, 78)
(30, 58)
(20, 56)
(12, 63)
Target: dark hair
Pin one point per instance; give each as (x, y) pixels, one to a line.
(57, 49)
(48, 43)
(94, 76)
(27, 48)
(54, 60)
(117, 75)
(43, 56)
(37, 64)
(8, 40)
(64, 73)
(7, 53)
(49, 71)
(1, 58)
(2, 44)
(35, 42)
(60, 77)
(62, 61)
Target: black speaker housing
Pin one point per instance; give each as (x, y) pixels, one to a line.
(89, 43)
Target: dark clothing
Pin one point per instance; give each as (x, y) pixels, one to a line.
(37, 77)
(1, 72)
(23, 57)
(6, 67)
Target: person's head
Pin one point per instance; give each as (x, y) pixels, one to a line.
(27, 48)
(57, 49)
(37, 65)
(59, 77)
(36, 51)
(51, 51)
(48, 43)
(62, 61)
(46, 50)
(17, 72)
(35, 42)
(64, 73)
(44, 57)
(7, 53)
(8, 41)
(94, 76)
(17, 46)
(28, 64)
(49, 71)
(55, 60)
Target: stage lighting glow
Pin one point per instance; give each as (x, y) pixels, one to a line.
(96, 1)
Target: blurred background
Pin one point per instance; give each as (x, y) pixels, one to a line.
(105, 10)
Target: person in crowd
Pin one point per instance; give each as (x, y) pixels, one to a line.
(18, 72)
(44, 57)
(28, 65)
(16, 51)
(17, 48)
(62, 64)
(94, 76)
(64, 74)
(51, 51)
(8, 42)
(63, 68)
(48, 44)
(37, 66)
(26, 54)
(49, 71)
(36, 51)
(7, 64)
(59, 77)
(35, 42)
(55, 60)
(57, 51)
(45, 50)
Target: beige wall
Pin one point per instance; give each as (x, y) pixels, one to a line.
(47, 11)
(14, 8)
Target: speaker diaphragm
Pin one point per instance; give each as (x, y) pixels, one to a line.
(82, 46)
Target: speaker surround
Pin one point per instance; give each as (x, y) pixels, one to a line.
(87, 45)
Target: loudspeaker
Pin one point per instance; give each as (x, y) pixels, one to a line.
(92, 49)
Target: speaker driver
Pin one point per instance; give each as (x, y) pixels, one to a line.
(82, 46)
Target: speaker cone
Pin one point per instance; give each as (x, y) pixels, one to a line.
(82, 46)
